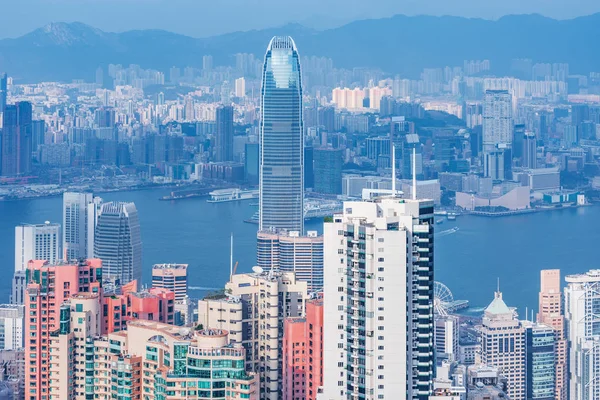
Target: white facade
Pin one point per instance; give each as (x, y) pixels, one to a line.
(77, 242)
(447, 337)
(11, 326)
(497, 119)
(378, 286)
(582, 307)
(240, 87)
(36, 242)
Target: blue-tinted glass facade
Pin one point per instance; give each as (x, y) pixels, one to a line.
(540, 363)
(281, 139)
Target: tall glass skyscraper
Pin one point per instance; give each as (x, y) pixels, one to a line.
(16, 139)
(281, 139)
(118, 242)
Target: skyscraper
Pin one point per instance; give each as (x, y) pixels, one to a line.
(80, 214)
(224, 135)
(118, 242)
(16, 140)
(503, 345)
(328, 170)
(3, 93)
(518, 137)
(497, 133)
(291, 252)
(36, 242)
(49, 286)
(540, 370)
(529, 150)
(551, 313)
(582, 305)
(378, 291)
(281, 204)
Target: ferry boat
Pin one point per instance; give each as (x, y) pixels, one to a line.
(313, 208)
(224, 195)
(451, 216)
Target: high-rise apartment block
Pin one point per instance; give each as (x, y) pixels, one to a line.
(80, 214)
(446, 336)
(49, 286)
(253, 312)
(118, 242)
(151, 360)
(290, 252)
(551, 314)
(172, 277)
(378, 309)
(281, 203)
(147, 304)
(582, 305)
(36, 242)
(15, 144)
(69, 366)
(240, 87)
(497, 134)
(303, 353)
(503, 345)
(12, 326)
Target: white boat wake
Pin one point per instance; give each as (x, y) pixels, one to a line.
(447, 232)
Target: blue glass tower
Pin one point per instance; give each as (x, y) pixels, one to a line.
(281, 139)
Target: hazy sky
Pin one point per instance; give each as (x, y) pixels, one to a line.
(209, 17)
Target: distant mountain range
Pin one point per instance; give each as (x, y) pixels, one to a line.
(399, 44)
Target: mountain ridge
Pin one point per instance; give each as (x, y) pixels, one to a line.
(398, 44)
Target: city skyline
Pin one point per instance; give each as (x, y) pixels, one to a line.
(303, 222)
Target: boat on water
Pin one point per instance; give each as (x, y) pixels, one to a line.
(439, 221)
(312, 209)
(451, 216)
(224, 195)
(185, 194)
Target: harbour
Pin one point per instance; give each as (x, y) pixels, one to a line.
(470, 255)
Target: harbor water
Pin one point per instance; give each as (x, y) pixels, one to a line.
(469, 260)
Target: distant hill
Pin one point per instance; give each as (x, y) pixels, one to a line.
(399, 44)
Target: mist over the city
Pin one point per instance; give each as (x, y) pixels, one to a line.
(289, 200)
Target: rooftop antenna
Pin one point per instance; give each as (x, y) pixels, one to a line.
(414, 173)
(393, 170)
(231, 258)
(526, 313)
(498, 288)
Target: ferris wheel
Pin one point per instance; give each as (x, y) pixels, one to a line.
(442, 298)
